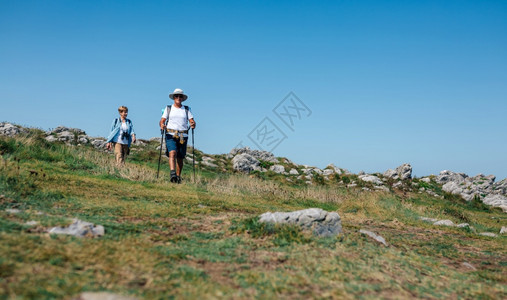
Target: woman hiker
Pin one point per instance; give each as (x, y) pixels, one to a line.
(175, 121)
(121, 136)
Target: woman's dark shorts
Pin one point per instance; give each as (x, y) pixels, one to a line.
(173, 144)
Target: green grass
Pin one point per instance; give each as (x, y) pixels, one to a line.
(204, 240)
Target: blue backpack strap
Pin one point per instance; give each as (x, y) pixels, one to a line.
(115, 122)
(168, 114)
(186, 110)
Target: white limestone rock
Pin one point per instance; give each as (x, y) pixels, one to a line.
(245, 163)
(257, 154)
(371, 178)
(13, 211)
(374, 236)
(402, 172)
(80, 229)
(431, 220)
(321, 222)
(496, 201)
(490, 234)
(102, 296)
(279, 169)
(10, 130)
(444, 223)
(293, 172)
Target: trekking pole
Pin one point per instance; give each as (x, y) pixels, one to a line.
(193, 153)
(160, 155)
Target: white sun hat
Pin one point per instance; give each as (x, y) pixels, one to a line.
(178, 92)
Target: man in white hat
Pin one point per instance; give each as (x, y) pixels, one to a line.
(175, 121)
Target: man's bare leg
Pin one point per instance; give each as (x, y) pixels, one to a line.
(179, 166)
(172, 165)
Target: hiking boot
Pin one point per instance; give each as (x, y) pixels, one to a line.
(174, 178)
(179, 179)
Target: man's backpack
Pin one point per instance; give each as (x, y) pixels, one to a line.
(169, 112)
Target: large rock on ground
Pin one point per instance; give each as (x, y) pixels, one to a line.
(80, 229)
(448, 176)
(500, 187)
(496, 201)
(402, 172)
(371, 178)
(278, 169)
(321, 222)
(374, 236)
(258, 154)
(9, 129)
(245, 163)
(102, 296)
(62, 129)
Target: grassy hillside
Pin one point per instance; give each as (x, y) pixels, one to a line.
(191, 240)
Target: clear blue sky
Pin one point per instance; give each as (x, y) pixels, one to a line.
(387, 82)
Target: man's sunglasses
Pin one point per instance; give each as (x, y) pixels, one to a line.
(178, 96)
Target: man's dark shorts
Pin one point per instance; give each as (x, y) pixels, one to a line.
(174, 144)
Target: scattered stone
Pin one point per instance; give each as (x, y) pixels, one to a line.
(61, 129)
(432, 193)
(327, 172)
(307, 171)
(318, 171)
(490, 234)
(51, 138)
(431, 220)
(102, 296)
(468, 266)
(463, 225)
(99, 143)
(208, 161)
(293, 172)
(444, 223)
(374, 236)
(397, 184)
(334, 168)
(279, 169)
(32, 223)
(381, 188)
(371, 178)
(503, 230)
(321, 222)
(426, 179)
(13, 211)
(80, 229)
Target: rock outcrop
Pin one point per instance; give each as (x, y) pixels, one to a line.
(402, 172)
(245, 163)
(257, 154)
(11, 130)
